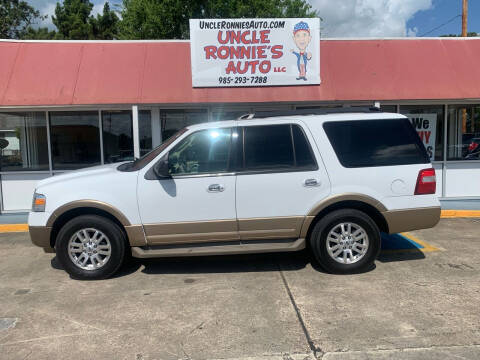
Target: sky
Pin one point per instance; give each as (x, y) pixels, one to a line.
(365, 18)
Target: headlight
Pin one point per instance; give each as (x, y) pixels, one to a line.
(39, 202)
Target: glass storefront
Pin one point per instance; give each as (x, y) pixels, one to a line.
(117, 136)
(463, 139)
(75, 135)
(389, 108)
(23, 141)
(225, 114)
(75, 139)
(174, 120)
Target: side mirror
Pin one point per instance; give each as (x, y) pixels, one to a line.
(160, 169)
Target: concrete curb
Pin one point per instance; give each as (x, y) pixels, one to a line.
(448, 214)
(7, 228)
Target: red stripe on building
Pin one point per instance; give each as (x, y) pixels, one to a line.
(80, 73)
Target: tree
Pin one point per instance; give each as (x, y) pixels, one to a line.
(105, 26)
(15, 18)
(469, 34)
(168, 19)
(39, 34)
(72, 20)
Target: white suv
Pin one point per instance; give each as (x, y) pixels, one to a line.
(266, 182)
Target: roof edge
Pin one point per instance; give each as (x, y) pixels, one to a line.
(406, 38)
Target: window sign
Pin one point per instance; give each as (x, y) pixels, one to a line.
(426, 125)
(255, 52)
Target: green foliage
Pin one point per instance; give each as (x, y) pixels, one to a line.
(141, 19)
(105, 26)
(168, 19)
(72, 19)
(469, 34)
(15, 18)
(39, 34)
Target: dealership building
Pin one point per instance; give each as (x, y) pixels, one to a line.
(69, 105)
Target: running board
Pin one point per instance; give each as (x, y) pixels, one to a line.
(223, 248)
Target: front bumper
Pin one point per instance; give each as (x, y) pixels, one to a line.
(412, 219)
(40, 236)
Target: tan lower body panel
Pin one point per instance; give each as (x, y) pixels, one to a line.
(306, 225)
(135, 234)
(40, 236)
(412, 219)
(270, 228)
(224, 230)
(186, 232)
(227, 249)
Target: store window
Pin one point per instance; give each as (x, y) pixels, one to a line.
(75, 139)
(174, 120)
(218, 115)
(145, 131)
(312, 107)
(117, 136)
(428, 121)
(23, 141)
(389, 108)
(463, 132)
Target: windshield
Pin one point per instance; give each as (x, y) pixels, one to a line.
(145, 159)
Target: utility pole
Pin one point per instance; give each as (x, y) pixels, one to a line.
(464, 34)
(464, 17)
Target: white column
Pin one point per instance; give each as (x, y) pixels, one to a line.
(156, 128)
(100, 133)
(135, 130)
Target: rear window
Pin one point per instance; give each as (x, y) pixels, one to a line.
(368, 143)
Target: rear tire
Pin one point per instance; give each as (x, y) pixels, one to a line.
(345, 241)
(90, 247)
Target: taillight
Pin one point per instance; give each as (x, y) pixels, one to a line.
(426, 182)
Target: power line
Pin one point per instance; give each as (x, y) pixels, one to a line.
(438, 27)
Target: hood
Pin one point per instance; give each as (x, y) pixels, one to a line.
(82, 173)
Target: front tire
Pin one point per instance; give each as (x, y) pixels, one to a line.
(90, 247)
(345, 241)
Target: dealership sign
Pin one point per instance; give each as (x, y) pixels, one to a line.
(255, 52)
(426, 126)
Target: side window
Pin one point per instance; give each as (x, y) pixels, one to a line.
(205, 151)
(268, 147)
(303, 152)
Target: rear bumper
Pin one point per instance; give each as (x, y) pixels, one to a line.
(40, 236)
(412, 219)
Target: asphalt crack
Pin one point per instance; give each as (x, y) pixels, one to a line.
(317, 351)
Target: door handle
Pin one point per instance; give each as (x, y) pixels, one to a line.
(311, 182)
(215, 188)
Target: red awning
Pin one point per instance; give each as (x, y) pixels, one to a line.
(78, 73)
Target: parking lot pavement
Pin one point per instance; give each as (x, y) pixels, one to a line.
(413, 305)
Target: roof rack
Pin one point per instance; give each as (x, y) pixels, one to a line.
(324, 111)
